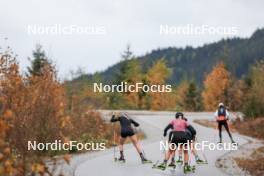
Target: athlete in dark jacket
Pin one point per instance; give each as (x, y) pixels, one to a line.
(127, 131)
(222, 116)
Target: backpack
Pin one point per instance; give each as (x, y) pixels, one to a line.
(221, 113)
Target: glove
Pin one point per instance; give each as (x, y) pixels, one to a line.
(164, 134)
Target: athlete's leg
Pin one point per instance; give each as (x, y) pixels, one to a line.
(185, 154)
(227, 129)
(136, 143)
(193, 150)
(220, 130)
(173, 156)
(180, 153)
(121, 148)
(121, 143)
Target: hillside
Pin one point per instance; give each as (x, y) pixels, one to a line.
(194, 63)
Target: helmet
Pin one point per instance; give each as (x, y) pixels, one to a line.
(178, 114)
(221, 104)
(124, 114)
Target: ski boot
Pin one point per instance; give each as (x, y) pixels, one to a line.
(162, 166)
(233, 142)
(172, 164)
(187, 168)
(179, 161)
(145, 161)
(220, 141)
(121, 159)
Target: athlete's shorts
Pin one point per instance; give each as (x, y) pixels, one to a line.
(179, 137)
(127, 133)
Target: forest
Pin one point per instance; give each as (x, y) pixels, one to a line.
(66, 110)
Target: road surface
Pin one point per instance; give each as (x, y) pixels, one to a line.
(153, 123)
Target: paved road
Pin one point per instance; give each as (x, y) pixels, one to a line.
(102, 164)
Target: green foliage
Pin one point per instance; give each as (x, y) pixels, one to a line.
(193, 100)
(254, 104)
(38, 62)
(192, 63)
(188, 97)
(130, 71)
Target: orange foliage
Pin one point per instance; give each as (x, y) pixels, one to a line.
(215, 87)
(157, 75)
(31, 109)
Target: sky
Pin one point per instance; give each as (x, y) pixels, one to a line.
(112, 24)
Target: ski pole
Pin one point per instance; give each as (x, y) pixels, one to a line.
(216, 132)
(204, 156)
(113, 126)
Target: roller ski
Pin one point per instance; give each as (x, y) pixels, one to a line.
(161, 166)
(199, 161)
(233, 142)
(188, 169)
(172, 164)
(120, 160)
(144, 160)
(179, 161)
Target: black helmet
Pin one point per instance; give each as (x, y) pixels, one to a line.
(178, 114)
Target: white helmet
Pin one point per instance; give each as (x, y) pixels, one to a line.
(221, 104)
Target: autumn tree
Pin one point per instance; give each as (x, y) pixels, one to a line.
(216, 87)
(34, 106)
(254, 103)
(157, 75)
(181, 95)
(237, 95)
(9, 79)
(187, 96)
(130, 73)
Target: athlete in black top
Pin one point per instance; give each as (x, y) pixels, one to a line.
(125, 123)
(127, 131)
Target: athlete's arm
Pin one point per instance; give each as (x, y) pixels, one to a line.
(134, 123)
(113, 119)
(192, 130)
(166, 129)
(216, 115)
(227, 114)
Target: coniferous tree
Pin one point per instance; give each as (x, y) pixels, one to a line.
(38, 62)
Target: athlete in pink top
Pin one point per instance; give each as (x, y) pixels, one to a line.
(179, 138)
(179, 125)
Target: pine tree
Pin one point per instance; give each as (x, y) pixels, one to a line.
(192, 97)
(130, 73)
(38, 62)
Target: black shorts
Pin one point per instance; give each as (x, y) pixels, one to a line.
(179, 137)
(127, 133)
